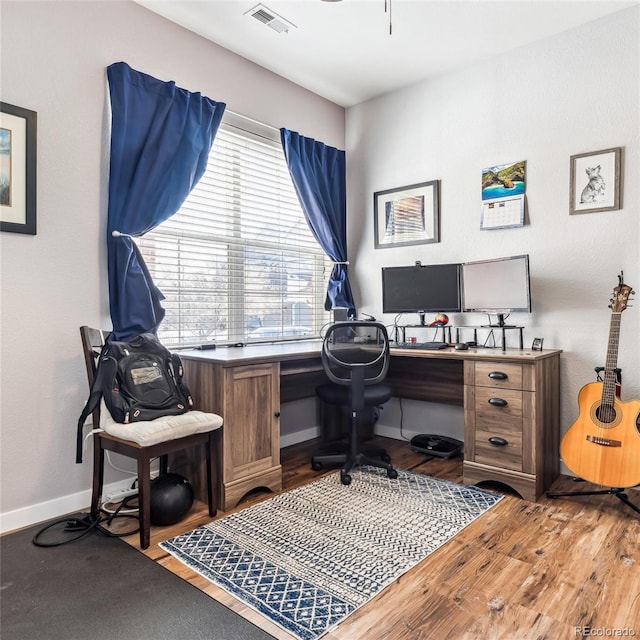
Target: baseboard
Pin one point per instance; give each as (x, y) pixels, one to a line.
(387, 431)
(58, 508)
(299, 436)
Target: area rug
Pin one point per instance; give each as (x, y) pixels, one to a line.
(308, 558)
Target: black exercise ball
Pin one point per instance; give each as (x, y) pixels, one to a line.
(171, 499)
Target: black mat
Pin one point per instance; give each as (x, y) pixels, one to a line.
(100, 588)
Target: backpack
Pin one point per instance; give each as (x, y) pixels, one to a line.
(139, 380)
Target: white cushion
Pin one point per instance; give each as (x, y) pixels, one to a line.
(146, 433)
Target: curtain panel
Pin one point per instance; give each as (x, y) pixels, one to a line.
(318, 173)
(161, 136)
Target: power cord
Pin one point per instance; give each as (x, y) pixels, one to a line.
(490, 336)
(402, 420)
(88, 524)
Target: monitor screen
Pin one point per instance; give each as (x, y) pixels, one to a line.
(421, 288)
(496, 286)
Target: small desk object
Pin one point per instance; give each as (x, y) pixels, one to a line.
(511, 403)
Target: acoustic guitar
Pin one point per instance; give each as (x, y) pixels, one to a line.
(603, 445)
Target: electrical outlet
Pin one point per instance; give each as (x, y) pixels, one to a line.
(120, 494)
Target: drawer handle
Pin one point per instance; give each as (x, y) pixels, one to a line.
(498, 402)
(500, 442)
(498, 375)
(276, 414)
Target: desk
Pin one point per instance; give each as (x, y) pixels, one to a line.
(245, 385)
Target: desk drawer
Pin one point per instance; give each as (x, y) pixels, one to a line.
(500, 445)
(493, 405)
(498, 375)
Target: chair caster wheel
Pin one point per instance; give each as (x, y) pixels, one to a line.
(392, 473)
(316, 466)
(345, 478)
(385, 457)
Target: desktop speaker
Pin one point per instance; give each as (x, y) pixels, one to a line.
(434, 445)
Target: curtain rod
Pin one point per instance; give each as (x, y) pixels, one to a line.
(237, 121)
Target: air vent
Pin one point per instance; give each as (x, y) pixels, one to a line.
(270, 18)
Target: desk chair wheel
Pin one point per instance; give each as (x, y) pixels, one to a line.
(345, 478)
(385, 457)
(392, 473)
(316, 466)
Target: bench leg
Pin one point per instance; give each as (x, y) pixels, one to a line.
(144, 498)
(98, 475)
(213, 470)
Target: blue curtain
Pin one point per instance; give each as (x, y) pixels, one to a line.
(319, 177)
(161, 136)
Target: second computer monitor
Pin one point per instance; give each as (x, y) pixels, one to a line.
(499, 286)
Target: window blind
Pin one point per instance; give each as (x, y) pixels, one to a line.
(238, 262)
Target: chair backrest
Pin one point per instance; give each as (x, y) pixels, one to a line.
(92, 342)
(356, 351)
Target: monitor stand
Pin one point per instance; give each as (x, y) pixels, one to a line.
(503, 329)
(501, 324)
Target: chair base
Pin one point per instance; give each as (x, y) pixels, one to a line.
(373, 457)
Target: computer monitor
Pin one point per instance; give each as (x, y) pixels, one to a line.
(499, 286)
(421, 289)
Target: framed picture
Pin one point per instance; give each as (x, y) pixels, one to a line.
(18, 131)
(596, 182)
(407, 215)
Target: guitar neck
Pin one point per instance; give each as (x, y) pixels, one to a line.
(609, 386)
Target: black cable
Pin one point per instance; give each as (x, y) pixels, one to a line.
(402, 420)
(86, 525)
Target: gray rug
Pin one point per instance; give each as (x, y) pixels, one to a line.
(308, 558)
(100, 588)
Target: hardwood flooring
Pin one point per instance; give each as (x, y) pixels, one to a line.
(557, 569)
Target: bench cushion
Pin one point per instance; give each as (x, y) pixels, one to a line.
(147, 433)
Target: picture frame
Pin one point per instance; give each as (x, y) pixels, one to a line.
(596, 181)
(407, 216)
(18, 152)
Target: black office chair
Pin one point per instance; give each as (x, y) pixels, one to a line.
(355, 357)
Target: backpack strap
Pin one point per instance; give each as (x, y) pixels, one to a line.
(177, 371)
(105, 373)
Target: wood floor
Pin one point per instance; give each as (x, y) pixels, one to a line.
(556, 569)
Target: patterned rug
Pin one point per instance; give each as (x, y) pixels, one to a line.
(308, 558)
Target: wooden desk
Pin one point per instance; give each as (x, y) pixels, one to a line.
(245, 385)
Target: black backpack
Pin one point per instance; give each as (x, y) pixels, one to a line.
(139, 380)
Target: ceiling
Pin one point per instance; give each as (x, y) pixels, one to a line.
(343, 51)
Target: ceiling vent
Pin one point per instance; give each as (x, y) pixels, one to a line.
(270, 18)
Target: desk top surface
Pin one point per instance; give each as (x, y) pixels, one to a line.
(283, 351)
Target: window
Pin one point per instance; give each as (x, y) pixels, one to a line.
(238, 261)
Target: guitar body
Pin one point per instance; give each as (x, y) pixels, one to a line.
(604, 452)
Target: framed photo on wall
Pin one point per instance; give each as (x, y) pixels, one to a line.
(407, 215)
(596, 181)
(18, 131)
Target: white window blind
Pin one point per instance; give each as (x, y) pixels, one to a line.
(238, 261)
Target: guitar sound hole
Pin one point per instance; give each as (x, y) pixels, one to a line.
(606, 413)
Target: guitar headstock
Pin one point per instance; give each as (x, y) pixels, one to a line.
(621, 295)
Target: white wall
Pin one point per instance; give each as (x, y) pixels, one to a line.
(574, 93)
(53, 61)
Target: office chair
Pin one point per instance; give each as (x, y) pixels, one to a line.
(147, 440)
(355, 357)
